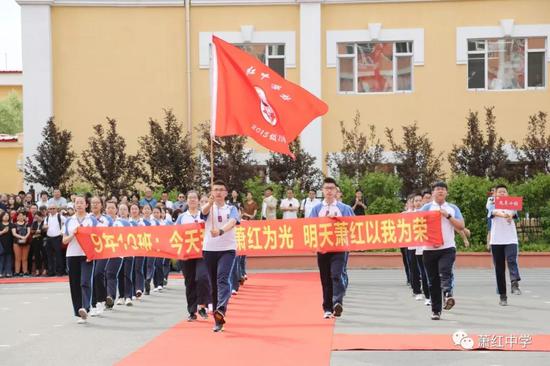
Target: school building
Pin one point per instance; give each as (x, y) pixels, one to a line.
(394, 61)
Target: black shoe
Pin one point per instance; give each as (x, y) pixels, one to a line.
(515, 288)
(449, 302)
(337, 310)
(147, 288)
(436, 316)
(218, 327)
(192, 317)
(109, 302)
(203, 313)
(164, 282)
(219, 317)
(241, 281)
(503, 300)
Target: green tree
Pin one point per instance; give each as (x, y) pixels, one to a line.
(51, 166)
(479, 155)
(168, 153)
(419, 166)
(11, 114)
(299, 172)
(360, 152)
(106, 165)
(233, 162)
(534, 151)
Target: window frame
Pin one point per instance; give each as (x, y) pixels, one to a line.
(267, 55)
(526, 51)
(395, 55)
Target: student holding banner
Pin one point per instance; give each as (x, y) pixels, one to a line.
(80, 270)
(195, 272)
(126, 283)
(114, 265)
(439, 260)
(139, 262)
(332, 266)
(504, 246)
(99, 294)
(219, 248)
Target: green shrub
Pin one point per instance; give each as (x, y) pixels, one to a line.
(383, 205)
(375, 185)
(535, 193)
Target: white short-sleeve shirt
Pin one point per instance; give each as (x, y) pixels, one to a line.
(502, 231)
(447, 228)
(287, 203)
(72, 223)
(217, 218)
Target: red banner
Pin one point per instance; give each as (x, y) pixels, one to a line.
(271, 237)
(509, 203)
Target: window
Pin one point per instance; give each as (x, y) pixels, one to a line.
(273, 55)
(506, 63)
(375, 67)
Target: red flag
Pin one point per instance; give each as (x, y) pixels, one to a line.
(248, 98)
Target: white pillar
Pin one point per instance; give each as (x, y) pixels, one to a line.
(310, 73)
(37, 71)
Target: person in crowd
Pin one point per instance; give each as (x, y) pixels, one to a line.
(418, 275)
(166, 201)
(21, 244)
(139, 262)
(12, 205)
(332, 265)
(504, 246)
(426, 196)
(38, 249)
(28, 201)
(439, 260)
(148, 199)
(489, 206)
(359, 204)
(403, 250)
(52, 225)
(70, 203)
(57, 200)
(134, 199)
(308, 203)
(339, 194)
(6, 241)
(195, 272)
(3, 203)
(248, 212)
(80, 270)
(154, 272)
(43, 201)
(180, 204)
(290, 205)
(219, 248)
(269, 205)
(126, 277)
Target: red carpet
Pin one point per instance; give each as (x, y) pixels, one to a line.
(276, 319)
(430, 342)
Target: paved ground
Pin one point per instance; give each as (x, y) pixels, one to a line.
(37, 326)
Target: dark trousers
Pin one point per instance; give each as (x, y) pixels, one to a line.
(332, 270)
(55, 256)
(197, 283)
(236, 274)
(126, 283)
(219, 266)
(166, 268)
(405, 263)
(423, 275)
(100, 289)
(503, 254)
(81, 282)
(39, 254)
(242, 264)
(139, 274)
(439, 266)
(414, 272)
(114, 266)
(6, 260)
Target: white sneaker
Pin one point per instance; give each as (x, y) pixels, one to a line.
(233, 292)
(128, 302)
(428, 302)
(83, 314)
(138, 294)
(133, 297)
(94, 312)
(327, 315)
(419, 297)
(100, 308)
(159, 288)
(81, 321)
(120, 301)
(155, 289)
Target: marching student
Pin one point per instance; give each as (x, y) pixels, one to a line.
(504, 246)
(332, 266)
(155, 265)
(80, 270)
(419, 278)
(139, 262)
(439, 260)
(99, 293)
(195, 272)
(166, 262)
(126, 283)
(219, 248)
(114, 265)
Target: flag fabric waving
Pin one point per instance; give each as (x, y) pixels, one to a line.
(249, 98)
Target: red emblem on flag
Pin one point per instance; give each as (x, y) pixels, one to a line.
(248, 98)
